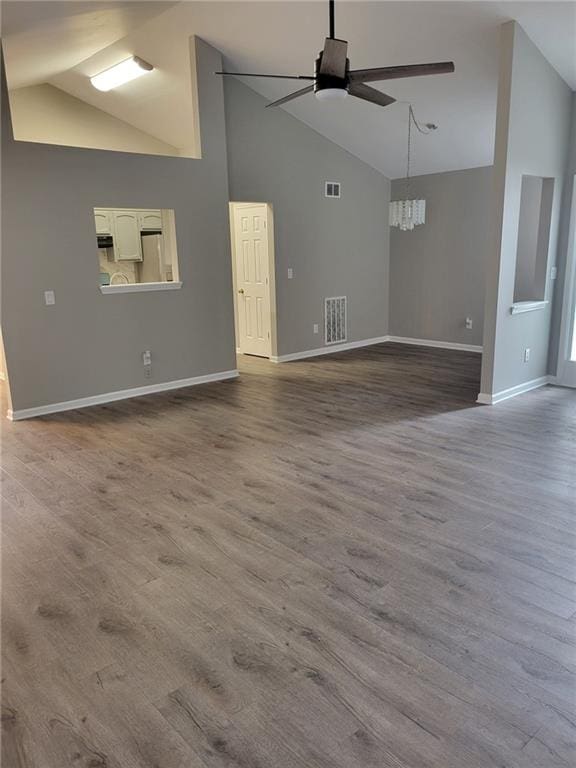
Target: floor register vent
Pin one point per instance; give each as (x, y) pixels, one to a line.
(335, 320)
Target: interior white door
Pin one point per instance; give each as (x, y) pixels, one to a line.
(252, 278)
(567, 361)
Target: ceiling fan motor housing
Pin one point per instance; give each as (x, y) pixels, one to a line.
(325, 82)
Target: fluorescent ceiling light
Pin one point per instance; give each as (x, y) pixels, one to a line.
(121, 73)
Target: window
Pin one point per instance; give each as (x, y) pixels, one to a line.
(136, 249)
(533, 238)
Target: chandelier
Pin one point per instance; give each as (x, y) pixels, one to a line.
(409, 212)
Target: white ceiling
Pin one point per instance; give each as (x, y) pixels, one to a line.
(64, 42)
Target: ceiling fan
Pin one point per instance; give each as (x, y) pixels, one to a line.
(333, 78)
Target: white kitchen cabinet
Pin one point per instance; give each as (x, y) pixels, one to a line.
(127, 243)
(150, 220)
(103, 221)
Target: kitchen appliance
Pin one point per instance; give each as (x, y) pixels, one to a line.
(105, 241)
(153, 267)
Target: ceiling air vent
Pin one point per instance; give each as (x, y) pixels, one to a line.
(335, 321)
(332, 189)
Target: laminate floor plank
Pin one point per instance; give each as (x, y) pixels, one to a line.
(342, 562)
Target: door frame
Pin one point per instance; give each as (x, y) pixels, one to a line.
(566, 373)
(233, 206)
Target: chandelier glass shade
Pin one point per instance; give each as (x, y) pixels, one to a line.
(409, 212)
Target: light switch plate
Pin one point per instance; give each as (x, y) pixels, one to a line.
(553, 273)
(290, 273)
(49, 298)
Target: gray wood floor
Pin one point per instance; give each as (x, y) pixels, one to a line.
(338, 563)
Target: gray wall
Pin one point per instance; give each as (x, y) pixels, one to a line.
(89, 343)
(532, 137)
(437, 271)
(555, 340)
(335, 247)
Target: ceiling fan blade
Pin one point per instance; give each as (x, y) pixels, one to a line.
(362, 91)
(295, 95)
(252, 74)
(393, 73)
(334, 58)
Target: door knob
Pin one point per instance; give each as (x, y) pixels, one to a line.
(241, 290)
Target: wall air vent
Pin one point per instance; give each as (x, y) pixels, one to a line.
(335, 320)
(332, 189)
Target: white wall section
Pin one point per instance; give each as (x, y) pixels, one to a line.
(43, 113)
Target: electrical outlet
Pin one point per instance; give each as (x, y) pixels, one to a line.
(553, 273)
(469, 323)
(49, 298)
(147, 363)
(290, 273)
(527, 354)
(316, 328)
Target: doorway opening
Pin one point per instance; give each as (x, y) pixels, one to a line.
(567, 358)
(252, 237)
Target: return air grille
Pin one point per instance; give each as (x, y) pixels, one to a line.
(332, 189)
(335, 321)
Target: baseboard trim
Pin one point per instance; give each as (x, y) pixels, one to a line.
(436, 344)
(369, 342)
(123, 394)
(505, 394)
(329, 350)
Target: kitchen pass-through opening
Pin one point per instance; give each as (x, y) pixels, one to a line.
(136, 246)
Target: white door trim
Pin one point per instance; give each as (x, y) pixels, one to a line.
(566, 371)
(233, 206)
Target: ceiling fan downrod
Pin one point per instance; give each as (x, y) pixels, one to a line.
(331, 16)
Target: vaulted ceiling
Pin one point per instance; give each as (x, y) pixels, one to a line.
(64, 42)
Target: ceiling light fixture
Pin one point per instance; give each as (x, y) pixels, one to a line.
(333, 79)
(409, 213)
(121, 73)
(331, 94)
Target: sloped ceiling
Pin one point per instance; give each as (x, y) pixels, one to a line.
(63, 43)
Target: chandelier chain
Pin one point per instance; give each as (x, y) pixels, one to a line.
(412, 119)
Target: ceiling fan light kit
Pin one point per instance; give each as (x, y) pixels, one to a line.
(331, 94)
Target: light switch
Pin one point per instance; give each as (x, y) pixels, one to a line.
(49, 298)
(290, 273)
